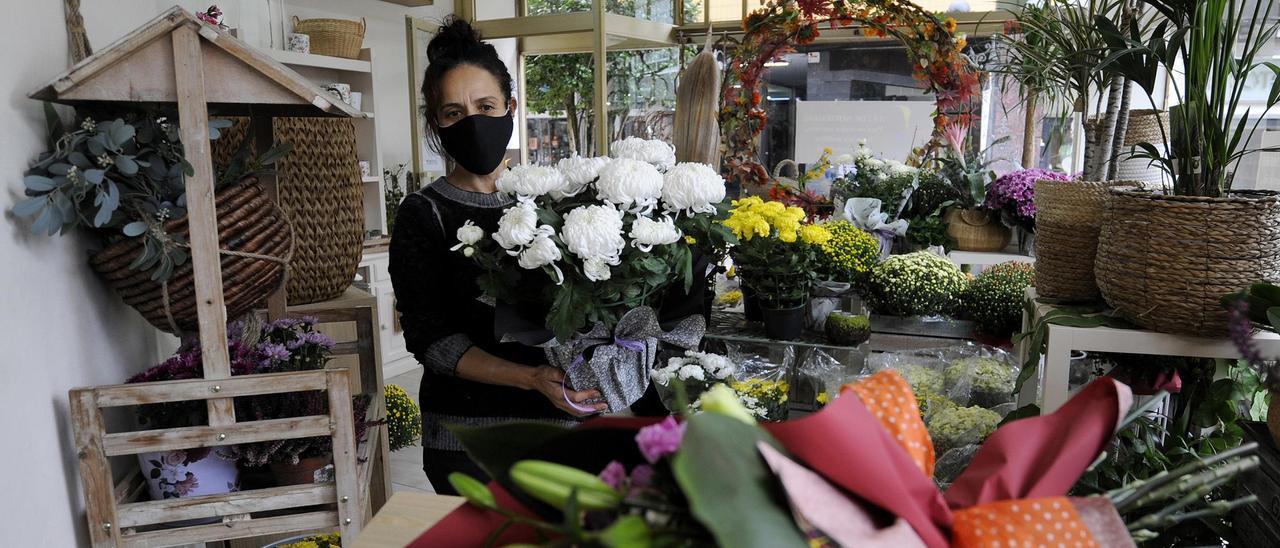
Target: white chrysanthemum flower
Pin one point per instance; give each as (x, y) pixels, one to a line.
(661, 155)
(693, 187)
(527, 181)
(646, 232)
(594, 232)
(597, 269)
(517, 226)
(628, 183)
(899, 169)
(663, 375)
(542, 252)
(692, 371)
(873, 163)
(578, 172)
(468, 234)
(844, 158)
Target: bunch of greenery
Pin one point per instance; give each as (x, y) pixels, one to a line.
(890, 181)
(916, 284)
(121, 175)
(954, 426)
(993, 300)
(924, 211)
(989, 381)
(404, 418)
(850, 253)
(1214, 46)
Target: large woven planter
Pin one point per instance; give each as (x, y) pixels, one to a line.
(248, 223)
(976, 229)
(1165, 262)
(321, 191)
(1068, 218)
(1145, 126)
(334, 37)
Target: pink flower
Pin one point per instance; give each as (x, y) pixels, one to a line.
(642, 476)
(660, 439)
(614, 474)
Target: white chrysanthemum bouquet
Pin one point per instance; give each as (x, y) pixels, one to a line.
(592, 238)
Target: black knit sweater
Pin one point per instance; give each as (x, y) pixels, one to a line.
(443, 315)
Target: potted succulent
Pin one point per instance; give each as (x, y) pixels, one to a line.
(120, 177)
(778, 256)
(1162, 259)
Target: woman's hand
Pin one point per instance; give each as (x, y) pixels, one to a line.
(550, 382)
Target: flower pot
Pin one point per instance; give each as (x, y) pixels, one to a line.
(751, 304)
(1164, 262)
(1068, 219)
(784, 324)
(843, 334)
(188, 473)
(976, 230)
(827, 298)
(308, 470)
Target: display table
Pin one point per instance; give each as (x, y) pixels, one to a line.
(1055, 368)
(968, 259)
(406, 515)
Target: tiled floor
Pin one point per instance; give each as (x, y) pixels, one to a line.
(406, 464)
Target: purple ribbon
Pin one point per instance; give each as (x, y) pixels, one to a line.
(886, 241)
(629, 344)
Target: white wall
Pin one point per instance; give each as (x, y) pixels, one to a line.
(60, 327)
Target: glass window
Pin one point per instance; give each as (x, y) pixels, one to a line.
(659, 11)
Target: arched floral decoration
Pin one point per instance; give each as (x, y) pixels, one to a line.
(770, 32)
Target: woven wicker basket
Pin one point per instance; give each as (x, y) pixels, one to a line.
(335, 37)
(1146, 126)
(248, 222)
(976, 229)
(320, 189)
(1166, 261)
(1068, 218)
(321, 192)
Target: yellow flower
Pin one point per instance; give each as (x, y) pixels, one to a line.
(788, 236)
(690, 240)
(732, 273)
(730, 298)
(826, 151)
(814, 234)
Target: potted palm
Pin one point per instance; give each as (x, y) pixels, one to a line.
(779, 257)
(1163, 259)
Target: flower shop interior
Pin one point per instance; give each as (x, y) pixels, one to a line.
(728, 273)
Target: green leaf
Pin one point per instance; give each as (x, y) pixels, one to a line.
(471, 489)
(627, 532)
(121, 132)
(38, 183)
(1267, 292)
(29, 206)
(721, 472)
(1273, 316)
(136, 228)
(94, 176)
(126, 165)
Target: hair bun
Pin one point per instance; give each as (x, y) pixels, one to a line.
(454, 37)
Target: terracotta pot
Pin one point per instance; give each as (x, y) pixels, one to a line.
(298, 474)
(976, 230)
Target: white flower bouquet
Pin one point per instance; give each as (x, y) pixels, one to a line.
(695, 371)
(592, 239)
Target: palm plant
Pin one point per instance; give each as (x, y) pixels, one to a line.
(1055, 53)
(1213, 45)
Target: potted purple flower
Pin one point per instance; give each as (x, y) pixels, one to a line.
(1013, 195)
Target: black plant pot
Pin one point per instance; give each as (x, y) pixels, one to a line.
(751, 305)
(784, 324)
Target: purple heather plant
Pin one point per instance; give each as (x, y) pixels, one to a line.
(1014, 193)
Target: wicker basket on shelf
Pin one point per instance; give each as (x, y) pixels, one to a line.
(256, 242)
(1068, 218)
(1166, 261)
(1145, 126)
(335, 37)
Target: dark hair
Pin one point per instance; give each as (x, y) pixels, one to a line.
(455, 44)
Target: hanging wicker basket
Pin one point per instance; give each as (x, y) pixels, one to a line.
(334, 37)
(256, 245)
(1166, 261)
(1068, 218)
(320, 189)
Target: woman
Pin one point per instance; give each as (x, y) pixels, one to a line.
(470, 378)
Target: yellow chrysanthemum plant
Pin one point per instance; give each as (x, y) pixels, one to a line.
(849, 255)
(778, 253)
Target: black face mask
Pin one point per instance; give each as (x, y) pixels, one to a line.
(478, 142)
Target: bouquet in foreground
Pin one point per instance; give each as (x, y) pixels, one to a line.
(596, 244)
(853, 474)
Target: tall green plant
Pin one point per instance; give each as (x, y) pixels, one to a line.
(1213, 45)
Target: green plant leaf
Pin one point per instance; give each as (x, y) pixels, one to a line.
(94, 176)
(38, 183)
(627, 532)
(126, 165)
(471, 489)
(720, 470)
(29, 206)
(136, 228)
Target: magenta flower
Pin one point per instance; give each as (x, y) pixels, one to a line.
(1015, 191)
(660, 439)
(642, 476)
(614, 474)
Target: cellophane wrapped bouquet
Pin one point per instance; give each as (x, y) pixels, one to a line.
(591, 241)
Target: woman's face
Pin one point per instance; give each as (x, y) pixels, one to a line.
(467, 90)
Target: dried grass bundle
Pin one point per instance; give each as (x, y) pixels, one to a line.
(697, 125)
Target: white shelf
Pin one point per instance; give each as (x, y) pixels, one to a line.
(372, 179)
(320, 61)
